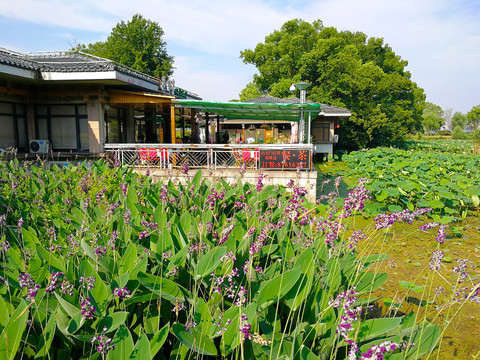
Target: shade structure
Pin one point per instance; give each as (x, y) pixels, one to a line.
(252, 111)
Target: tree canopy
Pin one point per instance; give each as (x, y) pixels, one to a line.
(432, 117)
(138, 44)
(345, 69)
(459, 120)
(473, 118)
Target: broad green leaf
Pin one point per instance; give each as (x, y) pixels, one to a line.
(159, 339)
(196, 340)
(69, 308)
(276, 288)
(374, 327)
(475, 200)
(141, 351)
(411, 286)
(11, 336)
(123, 345)
(46, 338)
(369, 281)
(167, 289)
(382, 196)
(299, 292)
(209, 262)
(112, 322)
(105, 262)
(99, 293)
(75, 323)
(49, 258)
(425, 340)
(436, 204)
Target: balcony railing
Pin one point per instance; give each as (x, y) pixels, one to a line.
(213, 156)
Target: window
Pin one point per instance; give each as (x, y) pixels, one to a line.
(115, 125)
(13, 126)
(321, 131)
(65, 126)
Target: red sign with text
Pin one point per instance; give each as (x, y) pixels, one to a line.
(285, 159)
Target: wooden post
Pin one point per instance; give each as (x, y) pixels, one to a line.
(172, 123)
(193, 132)
(183, 124)
(207, 126)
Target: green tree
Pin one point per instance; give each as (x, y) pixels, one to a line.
(432, 117)
(249, 92)
(138, 44)
(473, 118)
(458, 133)
(459, 120)
(345, 69)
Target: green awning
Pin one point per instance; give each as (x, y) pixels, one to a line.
(252, 111)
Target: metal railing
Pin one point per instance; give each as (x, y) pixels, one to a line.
(211, 156)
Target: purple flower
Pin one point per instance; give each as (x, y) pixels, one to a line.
(226, 231)
(436, 260)
(259, 185)
(189, 326)
(104, 344)
(429, 226)
(241, 296)
(88, 283)
(244, 327)
(356, 198)
(441, 234)
(4, 246)
(376, 351)
(121, 293)
(124, 188)
(66, 287)
(53, 283)
(101, 251)
(461, 269)
(87, 309)
(185, 167)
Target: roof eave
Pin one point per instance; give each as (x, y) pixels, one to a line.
(98, 76)
(18, 71)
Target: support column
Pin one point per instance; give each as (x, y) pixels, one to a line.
(95, 126)
(207, 127)
(172, 123)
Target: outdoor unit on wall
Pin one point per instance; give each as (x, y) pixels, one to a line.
(39, 146)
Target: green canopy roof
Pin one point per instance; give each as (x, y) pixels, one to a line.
(252, 111)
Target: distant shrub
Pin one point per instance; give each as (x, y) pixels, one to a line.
(458, 133)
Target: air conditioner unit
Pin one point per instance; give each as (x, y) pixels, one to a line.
(39, 146)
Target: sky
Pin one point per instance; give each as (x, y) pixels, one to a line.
(440, 39)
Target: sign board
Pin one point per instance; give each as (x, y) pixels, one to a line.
(285, 159)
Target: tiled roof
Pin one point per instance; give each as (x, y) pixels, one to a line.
(326, 109)
(67, 62)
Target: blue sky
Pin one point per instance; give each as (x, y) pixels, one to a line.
(440, 39)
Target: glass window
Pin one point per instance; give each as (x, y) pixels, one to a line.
(321, 131)
(62, 110)
(6, 108)
(22, 134)
(7, 135)
(42, 129)
(83, 127)
(82, 109)
(64, 133)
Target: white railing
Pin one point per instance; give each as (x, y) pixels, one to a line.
(212, 156)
